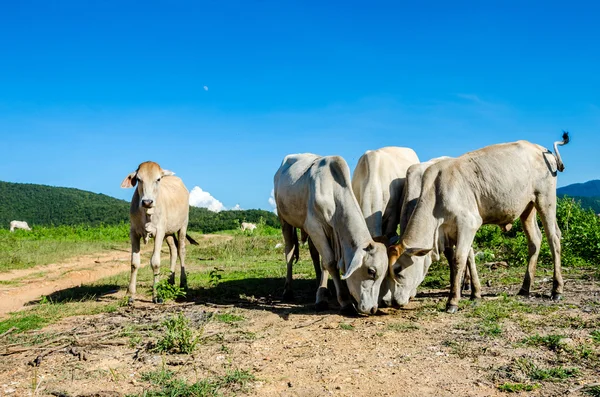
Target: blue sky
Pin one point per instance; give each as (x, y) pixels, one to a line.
(88, 90)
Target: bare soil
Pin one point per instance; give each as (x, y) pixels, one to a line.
(292, 351)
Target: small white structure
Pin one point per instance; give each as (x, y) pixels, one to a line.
(19, 225)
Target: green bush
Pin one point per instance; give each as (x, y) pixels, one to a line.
(178, 337)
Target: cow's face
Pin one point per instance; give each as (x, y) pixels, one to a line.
(406, 272)
(365, 274)
(147, 178)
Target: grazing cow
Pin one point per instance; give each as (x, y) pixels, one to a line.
(159, 209)
(248, 226)
(416, 267)
(314, 194)
(19, 225)
(378, 184)
(493, 185)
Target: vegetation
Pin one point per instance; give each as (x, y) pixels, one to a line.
(167, 292)
(42, 205)
(178, 337)
(517, 387)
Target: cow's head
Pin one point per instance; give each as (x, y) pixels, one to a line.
(147, 177)
(407, 270)
(365, 274)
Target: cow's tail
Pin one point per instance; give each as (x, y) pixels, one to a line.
(559, 163)
(191, 240)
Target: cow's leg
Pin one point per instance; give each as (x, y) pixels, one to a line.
(155, 262)
(314, 255)
(534, 241)
(173, 257)
(464, 241)
(135, 264)
(546, 206)
(473, 276)
(290, 238)
(329, 264)
(181, 251)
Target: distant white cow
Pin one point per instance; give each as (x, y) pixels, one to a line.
(314, 194)
(19, 225)
(159, 209)
(493, 185)
(248, 226)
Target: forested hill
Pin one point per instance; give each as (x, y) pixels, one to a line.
(49, 205)
(588, 193)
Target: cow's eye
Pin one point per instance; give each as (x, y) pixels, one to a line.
(372, 272)
(158, 180)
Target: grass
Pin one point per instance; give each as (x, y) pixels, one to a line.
(553, 374)
(402, 327)
(166, 384)
(552, 342)
(347, 327)
(178, 336)
(595, 336)
(517, 387)
(592, 391)
(228, 318)
(168, 292)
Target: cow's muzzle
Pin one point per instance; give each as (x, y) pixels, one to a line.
(147, 203)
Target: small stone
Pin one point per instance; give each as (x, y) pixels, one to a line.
(289, 384)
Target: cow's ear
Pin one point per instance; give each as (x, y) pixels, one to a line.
(382, 239)
(418, 251)
(167, 172)
(355, 263)
(130, 180)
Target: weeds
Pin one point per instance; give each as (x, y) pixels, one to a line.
(179, 337)
(402, 327)
(347, 327)
(592, 391)
(168, 292)
(595, 336)
(517, 387)
(552, 342)
(228, 318)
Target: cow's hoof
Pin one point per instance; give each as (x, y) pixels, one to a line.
(556, 296)
(157, 300)
(172, 279)
(451, 309)
(130, 301)
(288, 295)
(321, 306)
(524, 293)
(349, 310)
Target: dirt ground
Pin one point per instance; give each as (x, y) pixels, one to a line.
(292, 351)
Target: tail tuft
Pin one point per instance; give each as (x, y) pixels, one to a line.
(566, 138)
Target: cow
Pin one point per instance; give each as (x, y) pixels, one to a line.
(159, 209)
(248, 226)
(19, 225)
(314, 194)
(493, 185)
(416, 267)
(378, 184)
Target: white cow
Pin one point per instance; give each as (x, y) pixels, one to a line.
(19, 225)
(248, 226)
(416, 267)
(159, 209)
(378, 184)
(314, 194)
(493, 185)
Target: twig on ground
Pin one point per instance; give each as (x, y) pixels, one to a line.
(11, 329)
(209, 304)
(589, 385)
(38, 360)
(309, 323)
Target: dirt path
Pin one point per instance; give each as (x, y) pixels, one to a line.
(26, 285)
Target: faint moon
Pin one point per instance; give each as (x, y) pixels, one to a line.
(205, 88)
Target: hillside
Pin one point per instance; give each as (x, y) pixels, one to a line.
(586, 189)
(48, 205)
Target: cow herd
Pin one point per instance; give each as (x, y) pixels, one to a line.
(351, 224)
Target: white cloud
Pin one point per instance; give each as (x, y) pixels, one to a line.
(200, 198)
(237, 208)
(272, 201)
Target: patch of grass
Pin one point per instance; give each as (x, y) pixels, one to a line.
(167, 385)
(228, 318)
(168, 292)
(402, 327)
(347, 327)
(517, 387)
(552, 342)
(595, 336)
(179, 337)
(553, 374)
(592, 391)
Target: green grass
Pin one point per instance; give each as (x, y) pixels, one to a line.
(168, 292)
(44, 245)
(402, 327)
(178, 336)
(347, 327)
(166, 384)
(517, 387)
(553, 374)
(552, 342)
(592, 391)
(595, 336)
(228, 318)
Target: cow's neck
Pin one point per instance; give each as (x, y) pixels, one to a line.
(350, 231)
(422, 226)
